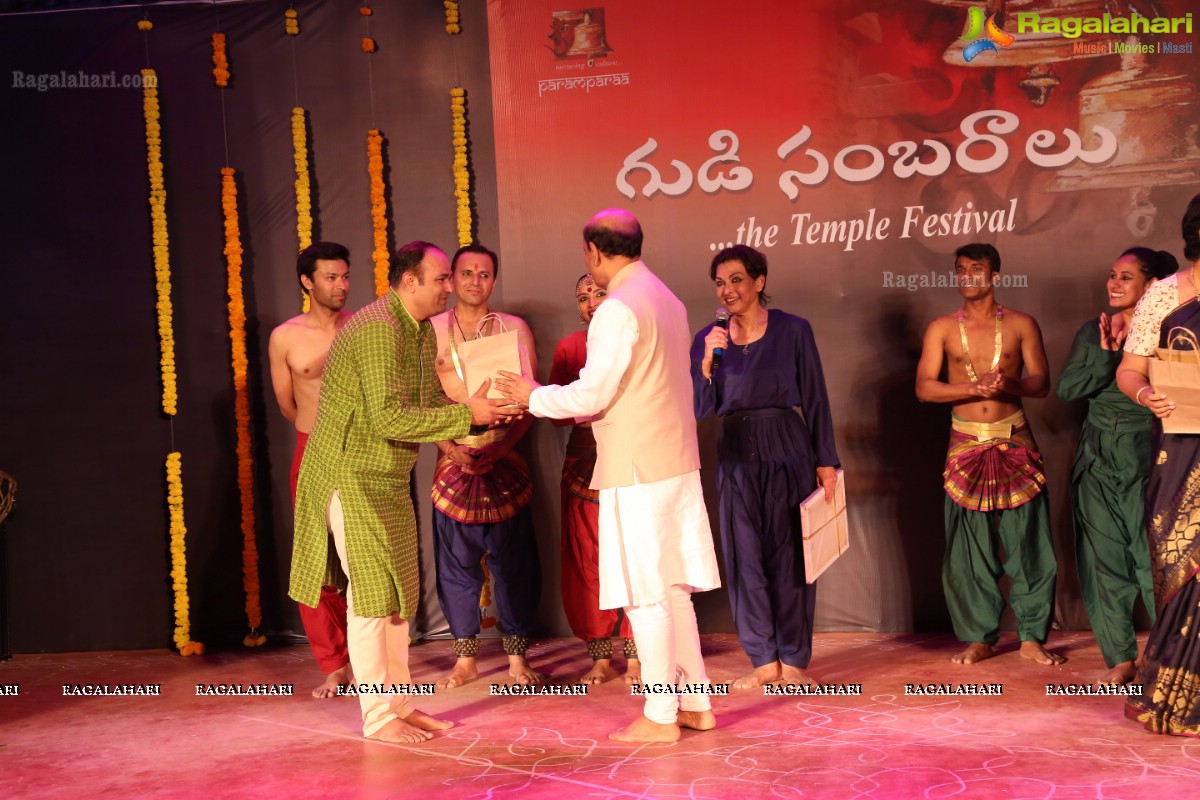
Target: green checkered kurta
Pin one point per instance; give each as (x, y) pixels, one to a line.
(380, 396)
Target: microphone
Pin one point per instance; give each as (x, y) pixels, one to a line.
(719, 352)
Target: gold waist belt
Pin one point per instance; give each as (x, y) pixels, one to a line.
(982, 431)
(482, 439)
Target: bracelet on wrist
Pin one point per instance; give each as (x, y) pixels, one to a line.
(1138, 397)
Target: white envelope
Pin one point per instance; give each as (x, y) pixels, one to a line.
(825, 528)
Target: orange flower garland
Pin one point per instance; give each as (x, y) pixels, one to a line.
(365, 11)
(182, 637)
(462, 175)
(291, 22)
(368, 44)
(220, 62)
(378, 210)
(304, 220)
(237, 337)
(145, 25)
(158, 226)
(452, 18)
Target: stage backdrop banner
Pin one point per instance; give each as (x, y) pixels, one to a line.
(857, 144)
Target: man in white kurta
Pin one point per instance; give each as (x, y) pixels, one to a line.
(656, 546)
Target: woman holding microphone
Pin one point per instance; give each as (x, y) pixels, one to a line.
(769, 460)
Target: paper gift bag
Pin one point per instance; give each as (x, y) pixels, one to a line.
(485, 356)
(1176, 373)
(825, 528)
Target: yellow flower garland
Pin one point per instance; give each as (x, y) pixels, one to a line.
(182, 637)
(145, 25)
(304, 220)
(237, 338)
(158, 225)
(452, 18)
(291, 22)
(220, 62)
(462, 175)
(378, 210)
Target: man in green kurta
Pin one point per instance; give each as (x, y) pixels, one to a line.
(380, 397)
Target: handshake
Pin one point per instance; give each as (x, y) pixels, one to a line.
(488, 413)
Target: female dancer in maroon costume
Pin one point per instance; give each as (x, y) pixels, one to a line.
(580, 515)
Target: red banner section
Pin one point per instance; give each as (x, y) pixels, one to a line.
(857, 144)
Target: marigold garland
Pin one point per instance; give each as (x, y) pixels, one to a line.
(145, 25)
(182, 637)
(365, 11)
(452, 18)
(158, 226)
(368, 44)
(378, 210)
(304, 220)
(462, 174)
(291, 22)
(237, 338)
(220, 62)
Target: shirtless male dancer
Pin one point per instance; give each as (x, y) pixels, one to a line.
(297, 352)
(997, 519)
(481, 488)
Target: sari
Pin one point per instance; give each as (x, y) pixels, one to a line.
(1170, 670)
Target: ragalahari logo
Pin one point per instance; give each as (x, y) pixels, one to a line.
(983, 36)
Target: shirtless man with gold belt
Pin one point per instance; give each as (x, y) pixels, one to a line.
(997, 517)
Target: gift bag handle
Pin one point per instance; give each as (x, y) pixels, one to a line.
(451, 321)
(494, 317)
(1179, 334)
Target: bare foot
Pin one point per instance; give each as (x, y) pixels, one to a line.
(400, 732)
(975, 652)
(464, 672)
(696, 720)
(1120, 674)
(646, 730)
(519, 669)
(339, 677)
(767, 673)
(601, 672)
(1035, 651)
(419, 719)
(633, 671)
(794, 676)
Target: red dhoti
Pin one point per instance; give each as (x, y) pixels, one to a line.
(325, 625)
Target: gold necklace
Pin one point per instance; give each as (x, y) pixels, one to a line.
(962, 333)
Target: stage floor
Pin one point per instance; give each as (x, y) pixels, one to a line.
(881, 745)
